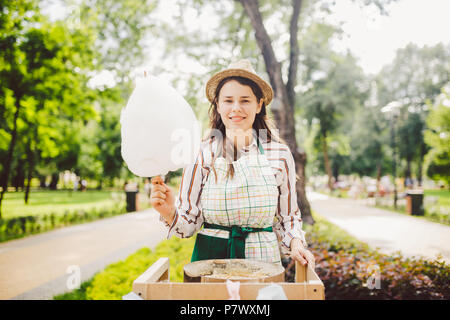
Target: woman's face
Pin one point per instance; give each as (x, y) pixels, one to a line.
(238, 106)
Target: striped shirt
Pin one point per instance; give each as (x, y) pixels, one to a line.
(287, 223)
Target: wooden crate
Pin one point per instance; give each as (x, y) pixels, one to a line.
(154, 284)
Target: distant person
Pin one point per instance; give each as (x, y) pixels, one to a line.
(386, 184)
(75, 184)
(83, 185)
(371, 190)
(381, 190)
(354, 191)
(408, 183)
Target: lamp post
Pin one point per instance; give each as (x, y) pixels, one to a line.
(393, 109)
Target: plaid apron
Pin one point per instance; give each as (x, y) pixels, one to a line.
(239, 212)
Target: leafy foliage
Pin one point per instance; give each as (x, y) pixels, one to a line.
(17, 227)
(117, 279)
(438, 137)
(349, 268)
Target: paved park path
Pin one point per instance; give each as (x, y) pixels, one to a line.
(389, 231)
(40, 266)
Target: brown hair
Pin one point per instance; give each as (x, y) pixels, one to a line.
(261, 122)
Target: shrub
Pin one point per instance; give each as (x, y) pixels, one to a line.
(349, 269)
(12, 228)
(116, 280)
(438, 213)
(352, 275)
(78, 294)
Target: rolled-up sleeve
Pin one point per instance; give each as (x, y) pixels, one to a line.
(288, 221)
(188, 216)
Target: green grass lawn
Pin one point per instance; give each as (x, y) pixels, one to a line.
(45, 202)
(435, 211)
(442, 195)
(47, 210)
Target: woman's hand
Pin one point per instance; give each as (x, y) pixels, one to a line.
(301, 254)
(162, 199)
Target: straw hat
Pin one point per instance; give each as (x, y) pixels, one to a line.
(241, 68)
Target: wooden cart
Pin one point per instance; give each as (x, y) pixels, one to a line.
(154, 284)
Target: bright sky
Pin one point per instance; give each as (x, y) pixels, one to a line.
(374, 41)
(371, 37)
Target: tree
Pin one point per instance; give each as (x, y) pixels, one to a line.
(14, 15)
(415, 77)
(121, 27)
(437, 136)
(410, 133)
(331, 98)
(108, 136)
(43, 80)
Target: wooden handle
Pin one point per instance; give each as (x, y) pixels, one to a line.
(300, 272)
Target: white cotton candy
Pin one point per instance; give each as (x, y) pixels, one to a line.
(160, 132)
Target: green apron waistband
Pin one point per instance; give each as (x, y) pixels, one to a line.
(236, 238)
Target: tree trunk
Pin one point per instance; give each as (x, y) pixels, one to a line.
(100, 184)
(27, 189)
(54, 181)
(42, 182)
(30, 156)
(326, 161)
(335, 168)
(303, 202)
(19, 177)
(9, 157)
(420, 164)
(284, 99)
(408, 168)
(408, 181)
(378, 175)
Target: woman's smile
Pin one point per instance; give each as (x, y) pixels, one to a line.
(237, 118)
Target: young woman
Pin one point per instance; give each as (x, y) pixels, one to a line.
(241, 189)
